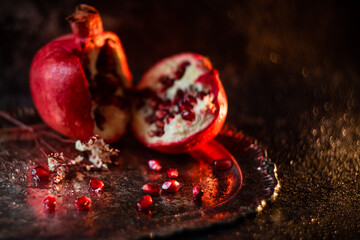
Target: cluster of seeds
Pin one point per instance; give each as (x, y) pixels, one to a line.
(82, 203)
(164, 110)
(169, 186)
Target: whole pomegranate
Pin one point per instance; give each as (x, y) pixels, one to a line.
(182, 104)
(78, 81)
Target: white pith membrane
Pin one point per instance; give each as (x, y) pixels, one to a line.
(114, 119)
(178, 128)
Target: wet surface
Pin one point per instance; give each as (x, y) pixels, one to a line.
(229, 194)
(291, 73)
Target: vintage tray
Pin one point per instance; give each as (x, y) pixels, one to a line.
(242, 190)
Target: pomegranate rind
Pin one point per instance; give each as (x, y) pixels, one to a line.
(60, 89)
(210, 76)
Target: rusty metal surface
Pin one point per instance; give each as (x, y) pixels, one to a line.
(229, 195)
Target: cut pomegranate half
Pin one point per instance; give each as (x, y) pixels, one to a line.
(78, 81)
(182, 104)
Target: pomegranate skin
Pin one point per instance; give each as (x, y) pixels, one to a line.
(60, 91)
(59, 85)
(210, 77)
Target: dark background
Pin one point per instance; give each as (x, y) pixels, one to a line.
(291, 73)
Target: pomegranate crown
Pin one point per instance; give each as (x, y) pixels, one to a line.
(85, 22)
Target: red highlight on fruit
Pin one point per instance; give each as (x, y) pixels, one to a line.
(154, 165)
(49, 203)
(96, 185)
(172, 173)
(171, 186)
(222, 164)
(145, 203)
(151, 189)
(77, 81)
(40, 174)
(83, 203)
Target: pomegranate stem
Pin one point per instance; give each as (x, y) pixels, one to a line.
(85, 23)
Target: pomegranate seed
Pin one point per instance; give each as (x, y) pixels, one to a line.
(156, 133)
(185, 105)
(40, 174)
(171, 186)
(160, 132)
(165, 105)
(181, 69)
(168, 82)
(145, 203)
(192, 99)
(151, 189)
(197, 192)
(83, 203)
(165, 79)
(179, 96)
(96, 185)
(154, 165)
(152, 133)
(222, 164)
(169, 118)
(160, 123)
(160, 114)
(49, 203)
(172, 173)
(201, 95)
(188, 115)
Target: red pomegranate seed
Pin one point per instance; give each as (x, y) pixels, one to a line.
(201, 95)
(160, 123)
(171, 186)
(49, 203)
(145, 203)
(179, 96)
(172, 173)
(154, 165)
(40, 174)
(83, 203)
(160, 114)
(165, 79)
(151, 189)
(168, 82)
(169, 118)
(156, 133)
(222, 164)
(192, 99)
(188, 115)
(185, 105)
(197, 192)
(181, 69)
(165, 105)
(96, 185)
